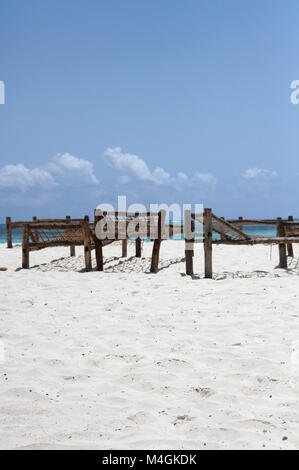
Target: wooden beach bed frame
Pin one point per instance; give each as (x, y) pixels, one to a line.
(231, 233)
(47, 233)
(150, 225)
(118, 227)
(10, 226)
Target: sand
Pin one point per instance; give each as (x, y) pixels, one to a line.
(130, 360)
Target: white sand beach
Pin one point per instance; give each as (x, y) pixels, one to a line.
(126, 359)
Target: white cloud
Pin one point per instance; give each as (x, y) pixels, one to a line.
(127, 162)
(125, 179)
(206, 178)
(137, 168)
(130, 163)
(160, 176)
(182, 177)
(67, 165)
(61, 168)
(18, 176)
(253, 173)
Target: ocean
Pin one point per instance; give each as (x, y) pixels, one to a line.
(16, 234)
(253, 230)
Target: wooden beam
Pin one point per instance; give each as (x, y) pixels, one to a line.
(53, 243)
(208, 243)
(48, 226)
(126, 214)
(258, 241)
(253, 222)
(49, 222)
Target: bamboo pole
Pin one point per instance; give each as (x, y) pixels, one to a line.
(72, 248)
(25, 248)
(208, 243)
(8, 232)
(283, 261)
(290, 246)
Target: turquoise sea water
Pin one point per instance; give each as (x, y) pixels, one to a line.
(254, 230)
(16, 234)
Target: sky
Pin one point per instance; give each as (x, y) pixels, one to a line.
(162, 101)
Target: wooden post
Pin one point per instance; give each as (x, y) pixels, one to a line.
(72, 248)
(207, 217)
(36, 234)
(99, 245)
(138, 247)
(124, 248)
(155, 256)
(189, 242)
(138, 240)
(290, 246)
(283, 261)
(87, 240)
(25, 247)
(8, 232)
(157, 243)
(241, 226)
(99, 255)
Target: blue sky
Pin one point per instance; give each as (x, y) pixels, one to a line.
(162, 101)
